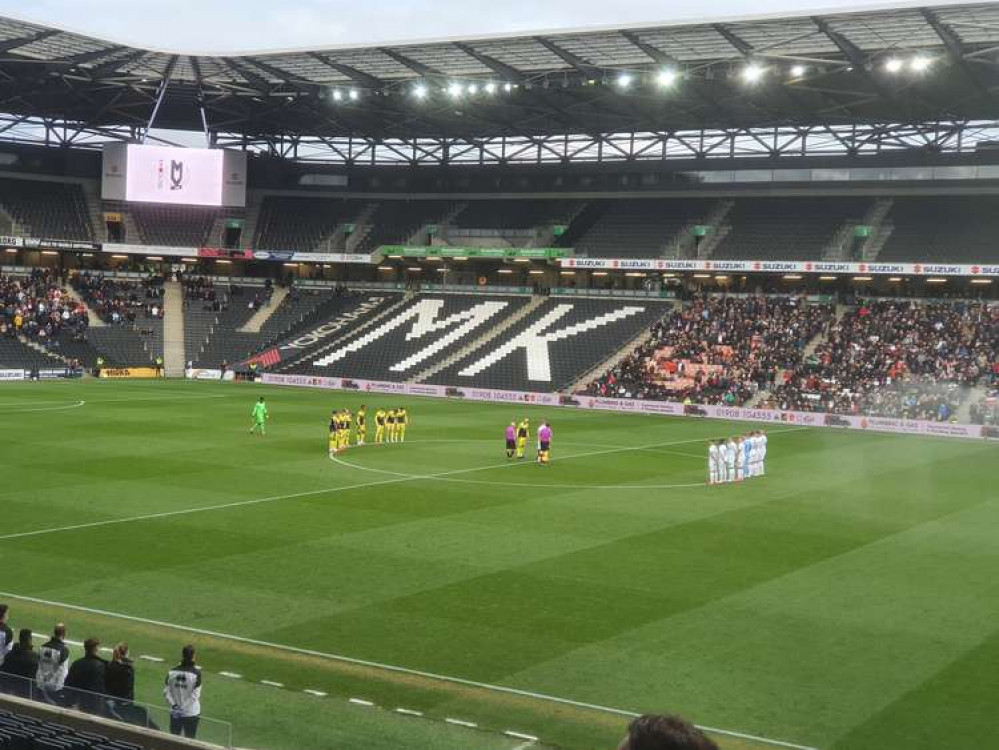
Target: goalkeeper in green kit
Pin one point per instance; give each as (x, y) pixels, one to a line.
(259, 417)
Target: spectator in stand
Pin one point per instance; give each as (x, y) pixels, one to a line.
(85, 683)
(652, 732)
(20, 666)
(53, 665)
(6, 634)
(183, 694)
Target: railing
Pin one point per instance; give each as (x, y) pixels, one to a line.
(133, 713)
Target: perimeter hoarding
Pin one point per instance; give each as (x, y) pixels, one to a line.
(638, 406)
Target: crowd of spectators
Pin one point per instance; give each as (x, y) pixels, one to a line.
(898, 359)
(38, 308)
(121, 301)
(717, 350)
(91, 683)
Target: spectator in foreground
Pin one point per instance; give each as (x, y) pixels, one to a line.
(652, 732)
(183, 695)
(6, 635)
(20, 666)
(53, 665)
(85, 686)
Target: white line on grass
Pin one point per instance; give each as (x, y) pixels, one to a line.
(462, 723)
(317, 693)
(64, 407)
(361, 702)
(521, 736)
(271, 683)
(232, 675)
(381, 666)
(408, 712)
(361, 485)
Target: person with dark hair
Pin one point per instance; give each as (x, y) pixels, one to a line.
(183, 694)
(654, 732)
(119, 675)
(85, 683)
(20, 666)
(6, 634)
(53, 665)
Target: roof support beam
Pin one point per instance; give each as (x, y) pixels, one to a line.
(572, 59)
(743, 47)
(855, 55)
(22, 41)
(956, 52)
(508, 72)
(651, 50)
(357, 76)
(414, 65)
(115, 65)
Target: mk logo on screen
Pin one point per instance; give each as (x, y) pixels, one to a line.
(176, 175)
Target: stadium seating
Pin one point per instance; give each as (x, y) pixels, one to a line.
(897, 359)
(301, 223)
(554, 345)
(640, 228)
(47, 209)
(786, 228)
(18, 355)
(22, 732)
(717, 350)
(174, 226)
(414, 337)
(296, 312)
(393, 222)
(515, 213)
(943, 229)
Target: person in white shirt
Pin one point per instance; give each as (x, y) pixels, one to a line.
(183, 694)
(714, 463)
(740, 459)
(53, 665)
(6, 634)
(763, 453)
(730, 449)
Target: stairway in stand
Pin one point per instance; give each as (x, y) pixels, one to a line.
(174, 359)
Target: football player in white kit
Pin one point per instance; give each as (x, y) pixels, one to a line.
(763, 453)
(714, 463)
(730, 450)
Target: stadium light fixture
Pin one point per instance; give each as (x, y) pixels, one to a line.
(920, 64)
(460, 257)
(188, 260)
(827, 278)
(536, 272)
(752, 73)
(624, 80)
(936, 280)
(981, 281)
(455, 90)
(863, 278)
(490, 88)
(566, 273)
(220, 262)
(508, 87)
(473, 89)
(354, 94)
(798, 71)
(49, 252)
(894, 65)
(792, 276)
(420, 91)
(521, 260)
(414, 269)
(895, 279)
(154, 257)
(702, 275)
(505, 270)
(666, 77)
(599, 273)
(290, 265)
(386, 268)
(125, 257)
(337, 95)
(634, 274)
(721, 277)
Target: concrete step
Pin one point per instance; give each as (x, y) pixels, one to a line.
(261, 316)
(174, 355)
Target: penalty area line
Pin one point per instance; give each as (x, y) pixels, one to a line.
(385, 667)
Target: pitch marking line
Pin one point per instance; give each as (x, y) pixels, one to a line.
(317, 693)
(361, 485)
(408, 712)
(361, 702)
(64, 407)
(231, 675)
(386, 667)
(462, 723)
(271, 683)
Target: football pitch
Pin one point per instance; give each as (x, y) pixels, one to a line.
(847, 601)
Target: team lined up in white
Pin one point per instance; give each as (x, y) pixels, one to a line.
(737, 458)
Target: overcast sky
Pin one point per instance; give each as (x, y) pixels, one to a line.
(250, 25)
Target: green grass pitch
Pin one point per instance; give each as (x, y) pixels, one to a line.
(848, 601)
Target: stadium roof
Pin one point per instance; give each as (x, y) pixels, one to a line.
(898, 65)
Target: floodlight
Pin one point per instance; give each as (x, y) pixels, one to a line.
(624, 80)
(752, 73)
(920, 64)
(666, 77)
(797, 71)
(893, 65)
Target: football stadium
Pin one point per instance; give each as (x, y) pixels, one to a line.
(506, 391)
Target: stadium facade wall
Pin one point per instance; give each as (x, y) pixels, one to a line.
(637, 406)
